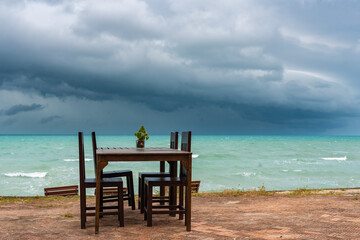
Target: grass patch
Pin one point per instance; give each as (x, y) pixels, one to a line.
(304, 192)
(68, 215)
(260, 191)
(9, 200)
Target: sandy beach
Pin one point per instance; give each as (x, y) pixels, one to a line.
(261, 215)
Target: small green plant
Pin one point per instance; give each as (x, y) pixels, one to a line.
(142, 134)
(68, 215)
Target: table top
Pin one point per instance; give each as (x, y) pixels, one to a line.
(137, 151)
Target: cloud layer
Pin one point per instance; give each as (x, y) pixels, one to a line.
(251, 67)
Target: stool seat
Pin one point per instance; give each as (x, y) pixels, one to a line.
(105, 182)
(155, 174)
(168, 181)
(117, 173)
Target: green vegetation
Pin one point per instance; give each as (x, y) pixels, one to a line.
(36, 199)
(68, 215)
(142, 134)
(260, 191)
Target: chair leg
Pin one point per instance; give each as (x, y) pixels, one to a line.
(130, 185)
(83, 207)
(143, 195)
(181, 201)
(143, 202)
(101, 200)
(139, 193)
(120, 205)
(149, 205)
(186, 206)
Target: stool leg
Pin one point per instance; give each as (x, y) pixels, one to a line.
(131, 187)
(181, 201)
(149, 205)
(120, 205)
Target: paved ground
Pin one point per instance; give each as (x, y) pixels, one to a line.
(251, 217)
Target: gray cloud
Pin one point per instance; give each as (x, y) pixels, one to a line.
(21, 108)
(273, 65)
(49, 119)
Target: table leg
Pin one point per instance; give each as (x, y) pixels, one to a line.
(99, 168)
(188, 196)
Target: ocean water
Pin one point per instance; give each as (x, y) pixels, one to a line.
(29, 163)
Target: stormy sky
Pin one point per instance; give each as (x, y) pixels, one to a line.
(213, 67)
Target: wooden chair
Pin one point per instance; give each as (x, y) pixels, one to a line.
(142, 175)
(130, 196)
(91, 183)
(180, 182)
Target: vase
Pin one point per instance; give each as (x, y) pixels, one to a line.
(140, 143)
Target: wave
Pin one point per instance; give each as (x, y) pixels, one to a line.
(195, 155)
(76, 159)
(336, 159)
(246, 174)
(31, 175)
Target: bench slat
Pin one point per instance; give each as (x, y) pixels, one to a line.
(62, 191)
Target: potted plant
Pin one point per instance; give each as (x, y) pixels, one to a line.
(142, 136)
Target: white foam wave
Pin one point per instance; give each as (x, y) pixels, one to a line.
(76, 160)
(297, 170)
(195, 155)
(246, 174)
(285, 170)
(31, 175)
(336, 159)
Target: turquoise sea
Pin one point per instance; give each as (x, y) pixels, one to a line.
(31, 162)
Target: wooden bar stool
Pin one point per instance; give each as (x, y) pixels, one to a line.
(91, 183)
(142, 175)
(130, 195)
(180, 182)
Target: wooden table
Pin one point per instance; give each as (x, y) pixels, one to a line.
(106, 155)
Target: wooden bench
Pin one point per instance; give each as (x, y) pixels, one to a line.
(62, 191)
(195, 185)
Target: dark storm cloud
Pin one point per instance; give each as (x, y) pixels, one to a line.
(279, 64)
(21, 108)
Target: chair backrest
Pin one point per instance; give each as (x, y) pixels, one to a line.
(94, 147)
(174, 140)
(185, 146)
(186, 141)
(81, 159)
(174, 143)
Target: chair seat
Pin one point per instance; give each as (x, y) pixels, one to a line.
(164, 181)
(118, 173)
(155, 174)
(105, 182)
